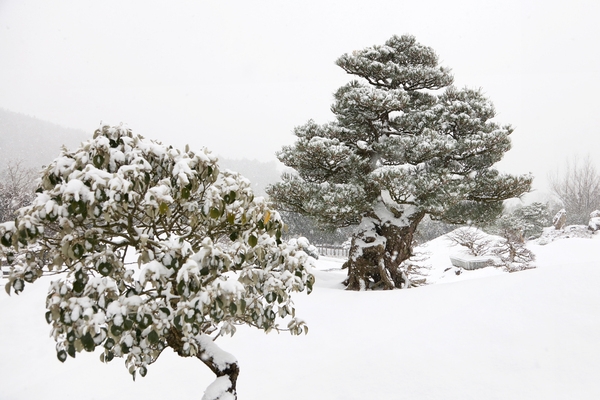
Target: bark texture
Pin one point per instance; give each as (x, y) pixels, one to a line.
(230, 369)
(378, 250)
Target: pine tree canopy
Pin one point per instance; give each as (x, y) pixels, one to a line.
(398, 136)
(404, 143)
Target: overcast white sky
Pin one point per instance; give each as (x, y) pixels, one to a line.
(238, 76)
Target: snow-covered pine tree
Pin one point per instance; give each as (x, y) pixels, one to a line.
(405, 143)
(153, 247)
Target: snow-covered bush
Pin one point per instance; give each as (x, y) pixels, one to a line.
(153, 247)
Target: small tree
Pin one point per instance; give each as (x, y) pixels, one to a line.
(475, 241)
(533, 218)
(578, 188)
(155, 248)
(17, 189)
(398, 150)
(512, 252)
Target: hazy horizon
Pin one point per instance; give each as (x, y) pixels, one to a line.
(237, 77)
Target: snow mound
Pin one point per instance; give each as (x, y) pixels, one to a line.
(572, 231)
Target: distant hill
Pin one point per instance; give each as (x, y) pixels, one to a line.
(34, 141)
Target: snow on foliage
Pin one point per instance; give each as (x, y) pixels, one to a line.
(405, 143)
(207, 254)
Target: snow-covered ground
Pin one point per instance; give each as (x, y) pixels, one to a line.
(482, 334)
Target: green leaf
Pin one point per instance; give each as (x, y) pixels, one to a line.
(88, 342)
(78, 250)
(153, 337)
(270, 314)
(78, 286)
(28, 276)
(6, 240)
(165, 310)
(232, 308)
(49, 317)
(116, 330)
(233, 236)
(18, 285)
(181, 287)
(163, 208)
(127, 324)
(214, 213)
(98, 161)
(252, 240)
(187, 318)
(146, 321)
(177, 322)
(270, 297)
(71, 351)
(105, 268)
(109, 344)
(62, 356)
(143, 371)
(185, 193)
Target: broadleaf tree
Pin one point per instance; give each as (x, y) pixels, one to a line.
(153, 248)
(404, 143)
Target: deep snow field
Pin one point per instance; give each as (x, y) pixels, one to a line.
(483, 334)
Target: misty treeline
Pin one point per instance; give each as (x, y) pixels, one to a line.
(17, 188)
(577, 187)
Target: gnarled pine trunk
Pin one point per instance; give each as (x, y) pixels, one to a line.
(383, 241)
(223, 364)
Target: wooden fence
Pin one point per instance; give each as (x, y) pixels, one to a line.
(332, 251)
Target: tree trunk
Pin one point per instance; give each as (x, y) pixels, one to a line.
(223, 364)
(383, 241)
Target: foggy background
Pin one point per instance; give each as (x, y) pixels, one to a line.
(238, 76)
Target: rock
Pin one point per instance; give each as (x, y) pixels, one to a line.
(594, 224)
(560, 219)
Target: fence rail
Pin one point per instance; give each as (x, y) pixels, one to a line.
(332, 251)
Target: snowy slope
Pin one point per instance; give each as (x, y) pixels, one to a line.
(528, 335)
